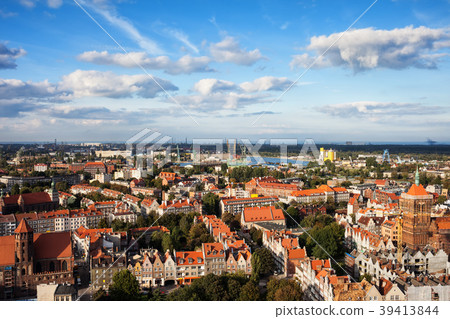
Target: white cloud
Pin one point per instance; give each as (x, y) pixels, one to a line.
(109, 13)
(208, 86)
(186, 64)
(364, 49)
(220, 101)
(54, 3)
(107, 84)
(28, 3)
(228, 50)
(182, 37)
(266, 83)
(8, 56)
(375, 111)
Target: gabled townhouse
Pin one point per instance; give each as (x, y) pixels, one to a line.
(214, 257)
(148, 205)
(239, 261)
(363, 240)
(371, 224)
(190, 266)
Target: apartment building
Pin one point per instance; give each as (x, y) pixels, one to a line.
(237, 205)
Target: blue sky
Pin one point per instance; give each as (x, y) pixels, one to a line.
(228, 69)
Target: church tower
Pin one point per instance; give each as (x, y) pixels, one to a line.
(416, 206)
(23, 243)
(53, 193)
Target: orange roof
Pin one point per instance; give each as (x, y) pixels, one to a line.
(307, 192)
(296, 253)
(23, 227)
(417, 190)
(267, 213)
(213, 250)
(325, 188)
(7, 251)
(189, 257)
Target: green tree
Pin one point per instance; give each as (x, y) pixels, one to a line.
(141, 221)
(263, 262)
(167, 244)
(15, 189)
(25, 190)
(441, 199)
(125, 287)
(62, 186)
(283, 290)
(249, 292)
(211, 204)
(293, 218)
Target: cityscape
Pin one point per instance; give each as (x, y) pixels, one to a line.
(238, 151)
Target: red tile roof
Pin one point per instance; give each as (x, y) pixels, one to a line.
(297, 253)
(52, 245)
(7, 251)
(28, 199)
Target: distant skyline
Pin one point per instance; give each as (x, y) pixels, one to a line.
(100, 70)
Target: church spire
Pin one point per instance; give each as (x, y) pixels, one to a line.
(417, 176)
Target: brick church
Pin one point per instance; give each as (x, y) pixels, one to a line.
(30, 202)
(28, 259)
(419, 228)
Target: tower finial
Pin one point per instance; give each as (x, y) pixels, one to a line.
(417, 176)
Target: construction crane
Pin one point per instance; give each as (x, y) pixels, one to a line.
(400, 239)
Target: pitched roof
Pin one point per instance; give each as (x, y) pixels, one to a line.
(296, 253)
(417, 190)
(28, 198)
(7, 251)
(267, 213)
(23, 227)
(52, 245)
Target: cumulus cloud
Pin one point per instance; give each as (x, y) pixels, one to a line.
(266, 83)
(364, 49)
(8, 56)
(12, 88)
(107, 84)
(186, 64)
(220, 101)
(229, 50)
(208, 86)
(374, 111)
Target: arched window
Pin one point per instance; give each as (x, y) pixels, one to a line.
(24, 271)
(64, 265)
(38, 267)
(52, 266)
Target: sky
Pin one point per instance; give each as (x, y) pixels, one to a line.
(333, 71)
